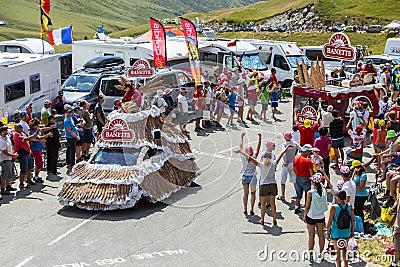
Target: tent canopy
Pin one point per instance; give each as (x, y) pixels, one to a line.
(171, 31)
(395, 24)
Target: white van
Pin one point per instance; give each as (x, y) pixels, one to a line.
(392, 47)
(283, 57)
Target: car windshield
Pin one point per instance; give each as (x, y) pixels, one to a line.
(251, 62)
(293, 59)
(123, 157)
(79, 83)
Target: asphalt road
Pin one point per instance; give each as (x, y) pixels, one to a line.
(197, 226)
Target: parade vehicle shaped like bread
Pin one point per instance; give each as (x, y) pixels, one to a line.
(138, 155)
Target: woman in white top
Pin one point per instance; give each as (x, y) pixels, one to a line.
(268, 185)
(314, 216)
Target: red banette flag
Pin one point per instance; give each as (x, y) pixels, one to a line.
(45, 5)
(189, 31)
(159, 44)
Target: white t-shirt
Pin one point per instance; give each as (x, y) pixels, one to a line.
(267, 173)
(327, 118)
(5, 144)
(296, 137)
(350, 188)
(25, 127)
(183, 101)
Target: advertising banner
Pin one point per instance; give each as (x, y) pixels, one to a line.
(159, 44)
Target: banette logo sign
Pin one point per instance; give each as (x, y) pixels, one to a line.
(141, 68)
(118, 130)
(339, 47)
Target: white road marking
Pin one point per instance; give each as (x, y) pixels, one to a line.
(22, 263)
(214, 155)
(73, 229)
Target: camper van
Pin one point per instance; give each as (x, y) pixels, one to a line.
(27, 45)
(283, 57)
(219, 53)
(27, 78)
(129, 49)
(392, 47)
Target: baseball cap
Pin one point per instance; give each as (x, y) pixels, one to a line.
(315, 149)
(169, 90)
(359, 128)
(307, 123)
(287, 136)
(23, 113)
(382, 122)
(306, 147)
(317, 178)
(335, 69)
(47, 102)
(355, 163)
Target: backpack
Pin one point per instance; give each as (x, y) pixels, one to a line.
(343, 220)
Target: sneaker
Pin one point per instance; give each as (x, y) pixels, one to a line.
(38, 180)
(10, 188)
(297, 211)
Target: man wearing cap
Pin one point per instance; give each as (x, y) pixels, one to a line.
(59, 102)
(22, 148)
(335, 73)
(169, 100)
(287, 166)
(45, 112)
(326, 116)
(369, 68)
(357, 139)
(78, 120)
(87, 138)
(71, 133)
(304, 169)
(307, 131)
(6, 164)
(24, 124)
(28, 109)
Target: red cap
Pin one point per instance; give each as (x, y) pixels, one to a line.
(359, 128)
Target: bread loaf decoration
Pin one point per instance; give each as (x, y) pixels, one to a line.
(159, 171)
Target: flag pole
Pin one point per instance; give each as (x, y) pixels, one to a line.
(41, 34)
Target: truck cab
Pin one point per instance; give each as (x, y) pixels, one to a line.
(85, 84)
(283, 57)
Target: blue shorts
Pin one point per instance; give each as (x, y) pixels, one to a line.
(249, 179)
(274, 104)
(303, 184)
(252, 102)
(232, 110)
(25, 163)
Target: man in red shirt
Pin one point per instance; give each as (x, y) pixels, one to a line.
(307, 132)
(303, 167)
(198, 101)
(22, 147)
(396, 108)
(28, 109)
